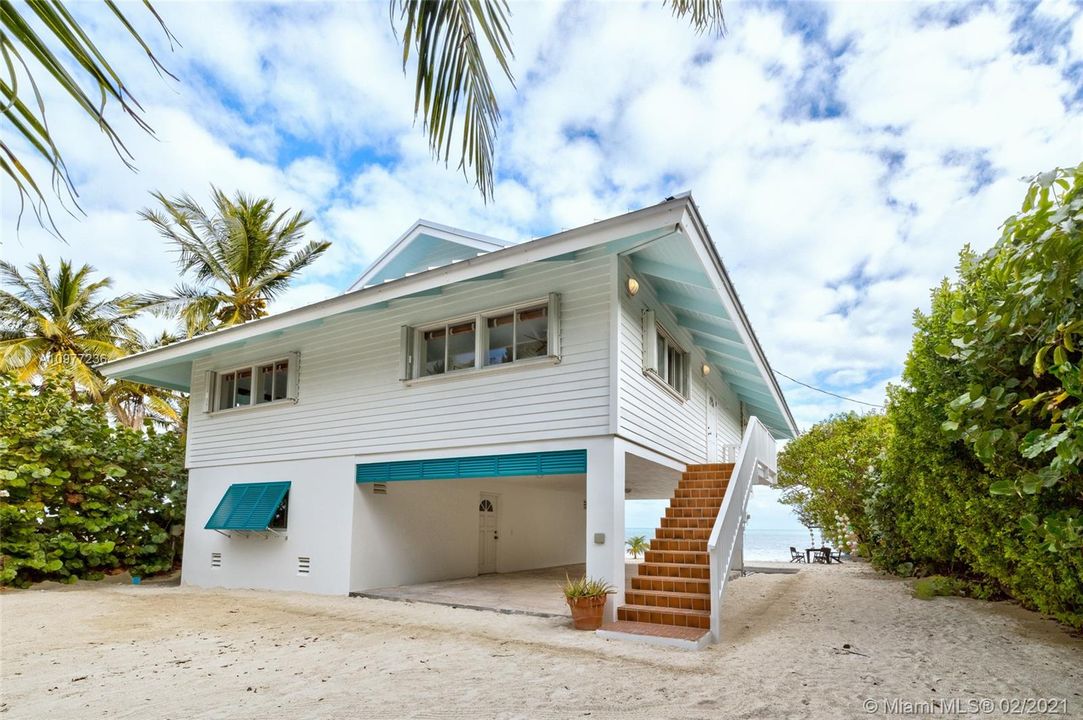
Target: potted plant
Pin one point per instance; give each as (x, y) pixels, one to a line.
(587, 597)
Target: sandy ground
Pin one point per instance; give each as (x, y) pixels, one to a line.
(817, 644)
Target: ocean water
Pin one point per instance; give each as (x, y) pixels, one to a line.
(760, 545)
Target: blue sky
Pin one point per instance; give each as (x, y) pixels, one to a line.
(842, 153)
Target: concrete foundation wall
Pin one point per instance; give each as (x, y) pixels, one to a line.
(428, 530)
(319, 525)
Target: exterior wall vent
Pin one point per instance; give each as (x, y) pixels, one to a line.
(304, 564)
(216, 560)
(379, 488)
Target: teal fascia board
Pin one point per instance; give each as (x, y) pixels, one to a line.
(248, 506)
(562, 462)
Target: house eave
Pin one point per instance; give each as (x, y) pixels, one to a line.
(662, 215)
(761, 358)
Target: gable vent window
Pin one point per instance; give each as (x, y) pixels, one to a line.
(379, 488)
(262, 383)
(521, 333)
(304, 564)
(216, 560)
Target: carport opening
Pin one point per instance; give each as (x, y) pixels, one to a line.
(497, 543)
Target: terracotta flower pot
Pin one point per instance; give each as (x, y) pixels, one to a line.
(587, 612)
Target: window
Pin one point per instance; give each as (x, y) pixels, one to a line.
(663, 358)
(672, 363)
(281, 516)
(450, 347)
(487, 339)
(258, 384)
(518, 335)
(252, 507)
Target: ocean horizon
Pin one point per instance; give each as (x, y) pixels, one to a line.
(763, 545)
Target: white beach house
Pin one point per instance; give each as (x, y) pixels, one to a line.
(473, 406)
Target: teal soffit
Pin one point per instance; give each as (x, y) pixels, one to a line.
(248, 506)
(562, 462)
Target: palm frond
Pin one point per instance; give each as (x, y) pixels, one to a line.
(62, 44)
(705, 15)
(451, 69)
(58, 323)
(272, 285)
(240, 257)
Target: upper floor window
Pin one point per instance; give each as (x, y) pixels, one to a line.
(663, 358)
(672, 363)
(485, 339)
(257, 384)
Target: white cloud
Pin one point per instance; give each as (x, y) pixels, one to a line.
(841, 153)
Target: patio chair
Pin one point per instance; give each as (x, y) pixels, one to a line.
(796, 556)
(836, 556)
(822, 555)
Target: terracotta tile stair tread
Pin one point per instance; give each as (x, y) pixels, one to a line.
(679, 544)
(693, 586)
(679, 596)
(677, 557)
(671, 610)
(655, 630)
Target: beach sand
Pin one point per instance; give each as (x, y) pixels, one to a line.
(817, 643)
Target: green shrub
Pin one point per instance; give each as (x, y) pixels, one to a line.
(1017, 340)
(989, 489)
(976, 472)
(828, 472)
(78, 497)
(937, 586)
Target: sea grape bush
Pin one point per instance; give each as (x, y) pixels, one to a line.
(980, 475)
(79, 497)
(1018, 339)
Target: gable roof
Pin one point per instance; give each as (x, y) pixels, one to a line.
(424, 246)
(668, 242)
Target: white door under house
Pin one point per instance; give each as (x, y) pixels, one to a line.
(712, 429)
(488, 533)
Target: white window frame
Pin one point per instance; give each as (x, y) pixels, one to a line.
(214, 380)
(413, 341)
(660, 372)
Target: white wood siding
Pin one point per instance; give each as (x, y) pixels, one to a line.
(351, 401)
(649, 415)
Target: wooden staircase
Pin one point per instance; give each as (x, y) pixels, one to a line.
(673, 587)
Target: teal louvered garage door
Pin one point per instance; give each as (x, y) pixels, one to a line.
(248, 506)
(561, 462)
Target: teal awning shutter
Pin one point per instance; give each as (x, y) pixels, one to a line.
(562, 462)
(248, 506)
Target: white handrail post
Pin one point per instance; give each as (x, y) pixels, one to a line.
(756, 458)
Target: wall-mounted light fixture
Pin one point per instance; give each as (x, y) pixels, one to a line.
(633, 286)
(706, 369)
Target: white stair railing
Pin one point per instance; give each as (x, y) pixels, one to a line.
(755, 463)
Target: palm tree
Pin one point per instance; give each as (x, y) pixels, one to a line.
(58, 43)
(132, 403)
(637, 545)
(240, 257)
(451, 70)
(60, 324)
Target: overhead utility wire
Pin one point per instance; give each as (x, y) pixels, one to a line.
(827, 392)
